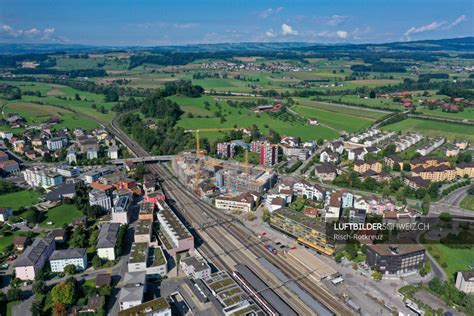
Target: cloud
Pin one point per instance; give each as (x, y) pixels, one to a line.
(270, 33)
(423, 29)
(338, 35)
(456, 22)
(270, 11)
(287, 30)
(46, 34)
(336, 20)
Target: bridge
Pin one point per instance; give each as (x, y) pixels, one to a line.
(143, 159)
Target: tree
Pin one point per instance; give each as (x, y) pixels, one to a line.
(377, 275)
(111, 96)
(105, 290)
(39, 287)
(63, 293)
(37, 306)
(70, 269)
(13, 294)
(77, 97)
(96, 262)
(372, 94)
(265, 215)
(445, 217)
(396, 167)
(406, 167)
(78, 239)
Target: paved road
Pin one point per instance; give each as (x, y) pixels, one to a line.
(454, 198)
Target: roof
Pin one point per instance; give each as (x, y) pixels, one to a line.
(103, 280)
(197, 264)
(68, 254)
(132, 294)
(395, 249)
(418, 181)
(153, 306)
(101, 187)
(133, 278)
(33, 253)
(244, 197)
(467, 275)
(326, 168)
(394, 158)
(60, 191)
(143, 227)
(20, 240)
(57, 233)
(108, 235)
(138, 253)
(300, 218)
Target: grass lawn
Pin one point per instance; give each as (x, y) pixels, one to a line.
(457, 259)
(431, 128)
(350, 98)
(9, 307)
(468, 203)
(467, 114)
(19, 199)
(6, 241)
(60, 215)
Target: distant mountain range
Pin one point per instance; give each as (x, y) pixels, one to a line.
(465, 44)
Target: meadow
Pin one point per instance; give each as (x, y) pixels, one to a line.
(60, 215)
(467, 114)
(19, 199)
(242, 117)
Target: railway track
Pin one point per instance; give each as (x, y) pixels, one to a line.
(248, 240)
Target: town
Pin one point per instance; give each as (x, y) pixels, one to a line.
(269, 177)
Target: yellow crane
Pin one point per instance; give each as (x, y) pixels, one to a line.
(198, 149)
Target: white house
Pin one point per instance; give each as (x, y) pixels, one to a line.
(64, 257)
(195, 268)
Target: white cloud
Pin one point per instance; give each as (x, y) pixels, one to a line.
(46, 34)
(336, 20)
(270, 11)
(424, 28)
(341, 34)
(160, 24)
(456, 22)
(287, 30)
(270, 33)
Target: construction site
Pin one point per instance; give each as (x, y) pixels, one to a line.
(209, 176)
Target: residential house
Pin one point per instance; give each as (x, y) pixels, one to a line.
(357, 215)
(32, 260)
(361, 166)
(465, 170)
(64, 257)
(5, 213)
(113, 152)
(415, 183)
(195, 267)
(461, 144)
(157, 307)
(451, 151)
(20, 243)
(465, 281)
(337, 147)
(326, 172)
(357, 154)
(107, 241)
(435, 173)
(431, 146)
(133, 290)
(56, 143)
(392, 160)
(328, 155)
(309, 191)
(243, 202)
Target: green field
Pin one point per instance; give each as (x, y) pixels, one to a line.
(19, 199)
(39, 113)
(54, 95)
(433, 128)
(457, 259)
(467, 114)
(354, 99)
(346, 110)
(468, 203)
(60, 215)
(242, 117)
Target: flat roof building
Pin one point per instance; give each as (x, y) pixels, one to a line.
(395, 259)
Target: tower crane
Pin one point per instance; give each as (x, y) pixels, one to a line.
(198, 149)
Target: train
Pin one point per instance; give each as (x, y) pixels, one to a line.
(271, 249)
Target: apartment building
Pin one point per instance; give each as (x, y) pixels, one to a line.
(32, 260)
(226, 149)
(268, 154)
(107, 241)
(308, 231)
(56, 143)
(465, 281)
(143, 230)
(59, 259)
(431, 146)
(361, 166)
(43, 178)
(173, 234)
(133, 290)
(392, 160)
(435, 173)
(157, 307)
(465, 170)
(243, 202)
(395, 260)
(196, 268)
(101, 198)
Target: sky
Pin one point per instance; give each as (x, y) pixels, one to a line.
(178, 22)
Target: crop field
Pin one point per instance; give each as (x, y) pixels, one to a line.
(338, 121)
(337, 108)
(354, 99)
(242, 117)
(433, 128)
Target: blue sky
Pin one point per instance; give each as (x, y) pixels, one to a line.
(160, 22)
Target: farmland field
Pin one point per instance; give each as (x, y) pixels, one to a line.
(467, 114)
(431, 128)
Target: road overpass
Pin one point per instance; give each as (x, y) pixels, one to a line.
(148, 159)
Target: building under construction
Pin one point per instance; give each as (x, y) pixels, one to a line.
(228, 176)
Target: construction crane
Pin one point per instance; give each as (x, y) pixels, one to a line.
(198, 149)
